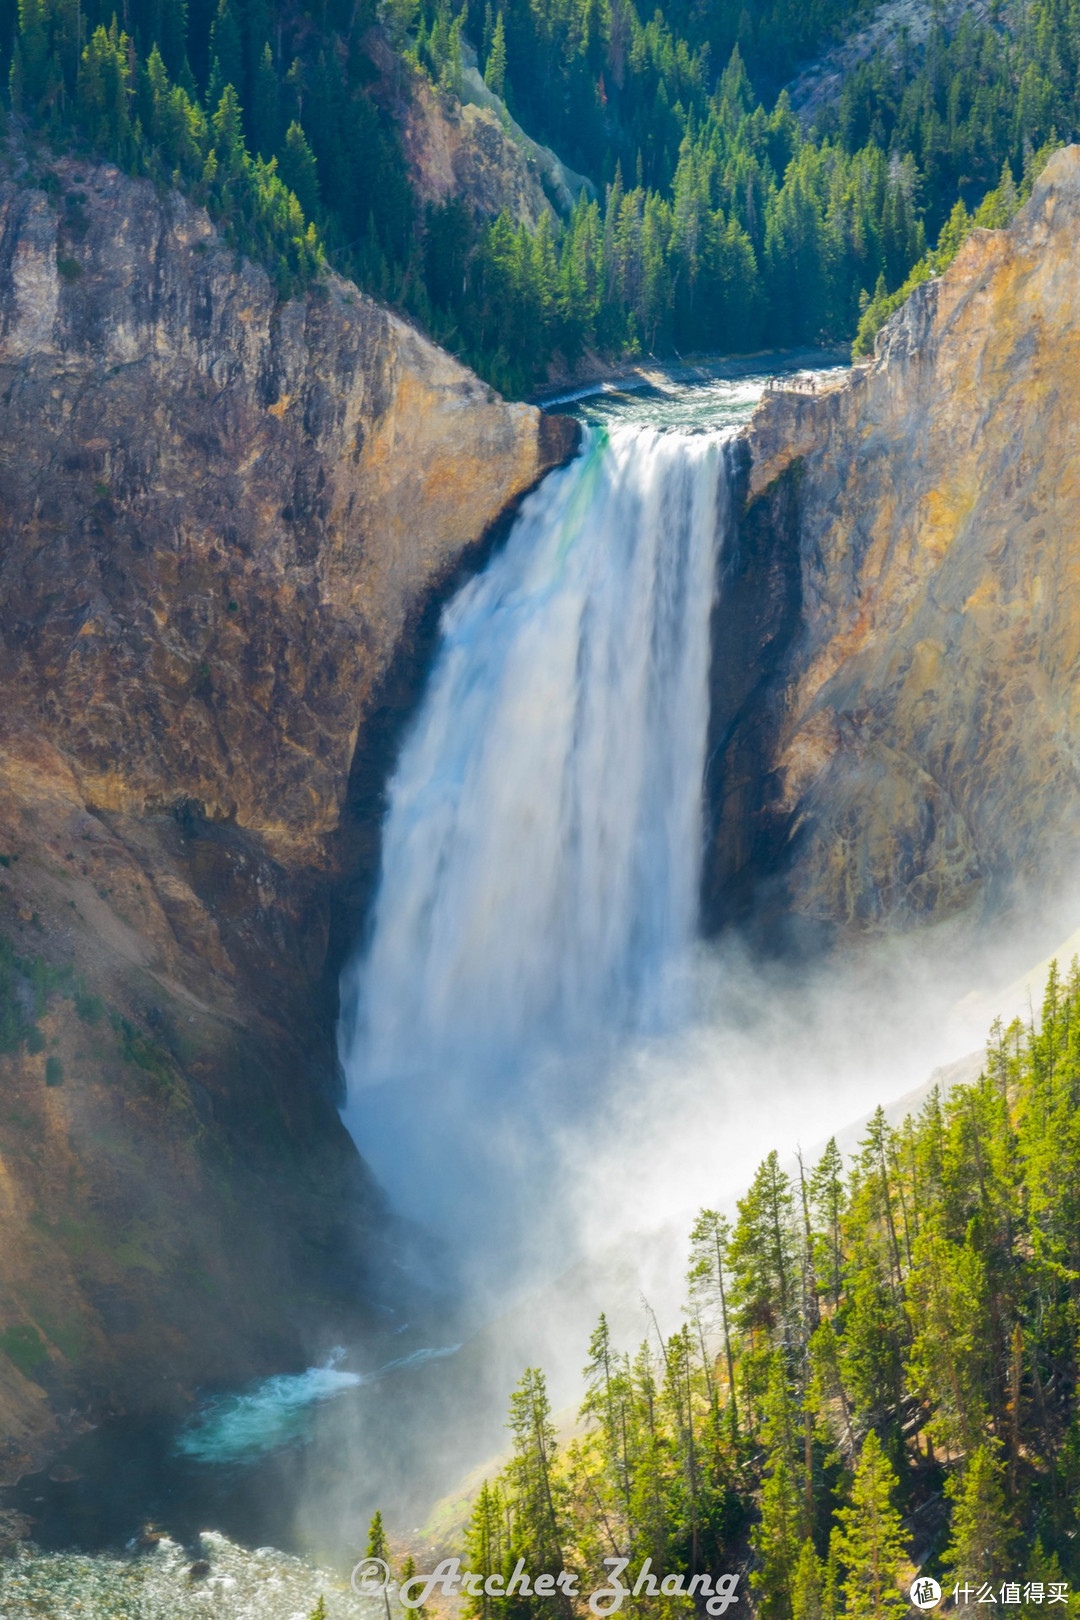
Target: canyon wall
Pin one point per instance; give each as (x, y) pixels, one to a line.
(226, 523)
(222, 519)
(899, 737)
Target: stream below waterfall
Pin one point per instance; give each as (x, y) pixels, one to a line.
(532, 939)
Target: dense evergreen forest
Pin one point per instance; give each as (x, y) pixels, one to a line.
(877, 1372)
(718, 224)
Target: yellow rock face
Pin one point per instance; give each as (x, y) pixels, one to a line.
(222, 519)
(926, 727)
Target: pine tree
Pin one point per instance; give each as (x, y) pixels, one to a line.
(266, 106)
(105, 92)
(537, 1493)
(495, 67)
(227, 47)
(486, 1548)
(709, 1240)
(808, 1586)
(228, 127)
(779, 1538)
(778, 1541)
(949, 1308)
(874, 1331)
(298, 169)
(981, 1532)
(828, 1390)
(378, 1547)
(607, 1401)
(377, 1544)
(33, 55)
(762, 1254)
(871, 1543)
(828, 1199)
(408, 1572)
(450, 77)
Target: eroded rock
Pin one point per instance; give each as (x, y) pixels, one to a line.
(222, 516)
(908, 749)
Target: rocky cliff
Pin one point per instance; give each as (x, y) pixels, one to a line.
(897, 737)
(223, 520)
(467, 148)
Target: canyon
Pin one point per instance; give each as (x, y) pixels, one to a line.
(228, 525)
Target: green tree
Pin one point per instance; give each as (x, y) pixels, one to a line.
(778, 1540)
(495, 67)
(608, 1402)
(762, 1254)
(377, 1544)
(981, 1532)
(105, 93)
(537, 1494)
(227, 123)
(298, 169)
(828, 1199)
(808, 1585)
(266, 106)
(486, 1548)
(871, 1541)
(227, 46)
(873, 1346)
(948, 1361)
(408, 1573)
(32, 76)
(709, 1240)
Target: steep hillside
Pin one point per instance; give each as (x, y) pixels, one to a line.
(399, 143)
(900, 738)
(223, 520)
(895, 30)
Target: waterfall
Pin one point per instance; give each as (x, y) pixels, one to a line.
(541, 851)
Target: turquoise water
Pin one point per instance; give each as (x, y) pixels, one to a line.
(278, 1411)
(233, 1428)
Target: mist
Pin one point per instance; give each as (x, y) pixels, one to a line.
(549, 1071)
(579, 1191)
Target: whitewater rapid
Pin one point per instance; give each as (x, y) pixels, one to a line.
(541, 850)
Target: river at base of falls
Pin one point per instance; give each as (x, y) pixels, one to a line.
(594, 891)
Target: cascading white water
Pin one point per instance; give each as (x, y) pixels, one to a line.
(541, 851)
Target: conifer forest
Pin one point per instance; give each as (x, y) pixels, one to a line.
(713, 220)
(876, 1373)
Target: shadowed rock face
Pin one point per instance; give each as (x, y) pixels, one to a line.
(908, 746)
(222, 519)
